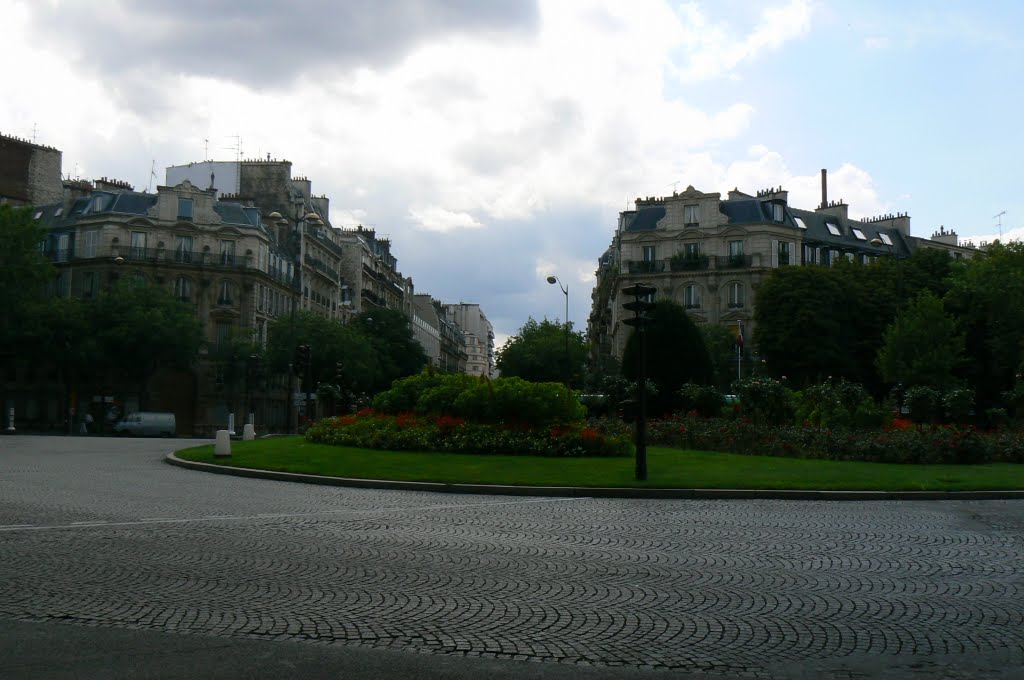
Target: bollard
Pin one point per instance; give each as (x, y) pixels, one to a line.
(10, 419)
(222, 449)
(231, 424)
(248, 432)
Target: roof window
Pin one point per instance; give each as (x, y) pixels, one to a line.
(833, 229)
(37, 215)
(859, 234)
(885, 238)
(799, 222)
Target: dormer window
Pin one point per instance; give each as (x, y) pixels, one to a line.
(777, 212)
(859, 234)
(833, 229)
(885, 238)
(691, 215)
(185, 209)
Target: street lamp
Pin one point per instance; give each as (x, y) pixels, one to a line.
(565, 290)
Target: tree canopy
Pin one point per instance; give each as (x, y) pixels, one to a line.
(676, 354)
(538, 353)
(922, 347)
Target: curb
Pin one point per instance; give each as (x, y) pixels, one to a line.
(598, 492)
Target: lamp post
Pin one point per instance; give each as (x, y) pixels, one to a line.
(640, 293)
(565, 290)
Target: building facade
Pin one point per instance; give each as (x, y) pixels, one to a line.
(29, 172)
(709, 254)
(479, 337)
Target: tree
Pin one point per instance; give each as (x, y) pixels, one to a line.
(24, 271)
(390, 334)
(140, 329)
(721, 345)
(805, 318)
(985, 296)
(538, 353)
(922, 347)
(676, 355)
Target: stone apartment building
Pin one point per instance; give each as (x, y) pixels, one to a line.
(219, 256)
(709, 254)
(441, 337)
(479, 337)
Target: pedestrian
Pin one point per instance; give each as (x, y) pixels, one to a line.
(87, 424)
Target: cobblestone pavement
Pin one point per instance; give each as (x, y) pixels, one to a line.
(101, 532)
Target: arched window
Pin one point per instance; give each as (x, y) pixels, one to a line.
(691, 296)
(183, 289)
(735, 295)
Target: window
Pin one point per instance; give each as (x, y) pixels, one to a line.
(185, 209)
(833, 229)
(859, 234)
(809, 253)
(227, 253)
(39, 213)
(691, 296)
(885, 238)
(89, 285)
(783, 253)
(648, 253)
(691, 251)
(138, 250)
(225, 295)
(59, 212)
(223, 335)
(90, 240)
(735, 295)
(777, 212)
(735, 248)
(61, 253)
(691, 215)
(799, 222)
(183, 289)
(183, 249)
(63, 285)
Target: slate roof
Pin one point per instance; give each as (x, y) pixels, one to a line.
(644, 219)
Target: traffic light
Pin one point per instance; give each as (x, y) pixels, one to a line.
(639, 306)
(302, 356)
(339, 373)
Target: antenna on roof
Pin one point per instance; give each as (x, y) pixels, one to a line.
(237, 148)
(673, 185)
(206, 148)
(1000, 218)
(33, 133)
(152, 175)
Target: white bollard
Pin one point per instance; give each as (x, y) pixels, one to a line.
(248, 432)
(222, 448)
(231, 424)
(10, 419)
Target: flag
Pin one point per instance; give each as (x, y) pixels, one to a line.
(739, 337)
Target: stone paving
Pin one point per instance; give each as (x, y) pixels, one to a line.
(101, 532)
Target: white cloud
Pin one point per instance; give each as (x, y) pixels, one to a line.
(876, 43)
(436, 218)
(716, 49)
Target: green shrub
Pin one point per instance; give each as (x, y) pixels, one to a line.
(957, 405)
(405, 392)
(764, 400)
(839, 404)
(924, 403)
(705, 400)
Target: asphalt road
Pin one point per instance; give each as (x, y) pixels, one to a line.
(114, 564)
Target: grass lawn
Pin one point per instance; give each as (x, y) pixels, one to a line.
(667, 468)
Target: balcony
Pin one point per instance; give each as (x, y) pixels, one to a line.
(645, 266)
(684, 263)
(734, 262)
(321, 268)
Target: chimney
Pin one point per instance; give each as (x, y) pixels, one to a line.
(824, 188)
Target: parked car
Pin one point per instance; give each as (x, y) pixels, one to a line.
(147, 424)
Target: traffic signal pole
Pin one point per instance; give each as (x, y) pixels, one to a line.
(639, 306)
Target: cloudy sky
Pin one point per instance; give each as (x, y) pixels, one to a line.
(495, 142)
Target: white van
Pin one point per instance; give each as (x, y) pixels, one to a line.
(147, 425)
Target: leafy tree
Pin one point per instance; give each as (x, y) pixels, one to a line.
(721, 345)
(140, 329)
(922, 347)
(805, 317)
(986, 295)
(390, 334)
(332, 343)
(676, 355)
(23, 272)
(538, 353)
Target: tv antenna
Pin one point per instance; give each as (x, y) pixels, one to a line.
(673, 185)
(237, 148)
(1000, 218)
(152, 175)
(206, 148)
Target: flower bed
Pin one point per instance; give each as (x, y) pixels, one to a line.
(902, 442)
(410, 432)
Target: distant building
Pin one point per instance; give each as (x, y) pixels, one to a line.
(479, 335)
(709, 254)
(29, 173)
(439, 334)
